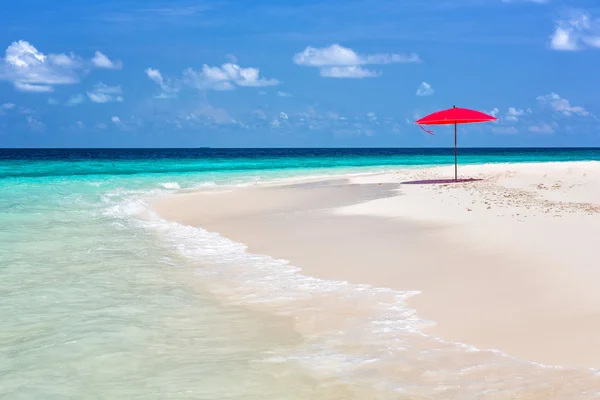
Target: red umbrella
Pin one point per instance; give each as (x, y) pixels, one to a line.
(454, 116)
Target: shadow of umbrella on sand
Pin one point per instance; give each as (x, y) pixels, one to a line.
(439, 181)
(454, 116)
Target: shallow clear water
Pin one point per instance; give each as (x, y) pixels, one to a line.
(99, 298)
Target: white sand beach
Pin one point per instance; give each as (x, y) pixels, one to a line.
(508, 262)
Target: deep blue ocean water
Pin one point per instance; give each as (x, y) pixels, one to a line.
(64, 162)
(101, 299)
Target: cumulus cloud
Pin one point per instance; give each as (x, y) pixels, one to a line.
(226, 77)
(167, 87)
(155, 76)
(513, 114)
(339, 55)
(30, 70)
(425, 89)
(563, 106)
(102, 93)
(579, 32)
(102, 61)
(336, 61)
(24, 64)
(116, 120)
(494, 112)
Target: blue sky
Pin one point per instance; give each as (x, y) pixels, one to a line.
(297, 73)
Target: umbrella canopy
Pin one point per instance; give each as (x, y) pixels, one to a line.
(454, 116)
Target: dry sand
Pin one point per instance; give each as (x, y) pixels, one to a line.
(508, 262)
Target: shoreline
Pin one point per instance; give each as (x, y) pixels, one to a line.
(461, 245)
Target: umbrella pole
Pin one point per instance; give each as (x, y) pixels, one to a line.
(455, 161)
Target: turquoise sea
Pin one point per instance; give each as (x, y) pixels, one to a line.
(101, 299)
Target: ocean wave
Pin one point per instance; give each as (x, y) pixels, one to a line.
(171, 185)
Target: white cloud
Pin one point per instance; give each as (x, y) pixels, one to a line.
(155, 76)
(283, 94)
(425, 89)
(336, 61)
(52, 101)
(98, 97)
(561, 105)
(371, 116)
(75, 100)
(103, 88)
(28, 87)
(352, 71)
(543, 128)
(102, 125)
(30, 70)
(103, 98)
(26, 67)
(494, 112)
(283, 115)
(275, 123)
(226, 77)
(102, 93)
(168, 89)
(513, 113)
(339, 55)
(562, 39)
(102, 61)
(116, 120)
(576, 33)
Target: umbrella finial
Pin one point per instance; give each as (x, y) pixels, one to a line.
(454, 106)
